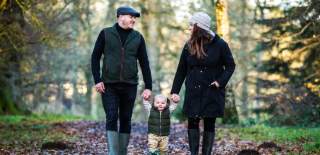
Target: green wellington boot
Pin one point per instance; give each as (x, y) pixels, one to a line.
(123, 143)
(113, 142)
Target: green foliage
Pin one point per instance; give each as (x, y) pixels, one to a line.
(291, 50)
(40, 49)
(6, 103)
(312, 147)
(279, 134)
(230, 112)
(47, 118)
(230, 116)
(292, 40)
(249, 122)
(309, 138)
(304, 117)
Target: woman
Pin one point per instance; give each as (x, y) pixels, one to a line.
(206, 64)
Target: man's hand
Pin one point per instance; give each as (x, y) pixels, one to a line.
(146, 94)
(100, 87)
(175, 98)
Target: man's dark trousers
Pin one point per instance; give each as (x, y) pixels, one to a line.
(118, 102)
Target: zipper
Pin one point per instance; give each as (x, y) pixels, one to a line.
(122, 57)
(160, 123)
(106, 68)
(121, 63)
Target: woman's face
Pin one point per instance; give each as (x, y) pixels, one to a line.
(191, 27)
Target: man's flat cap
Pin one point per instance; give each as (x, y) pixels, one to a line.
(126, 10)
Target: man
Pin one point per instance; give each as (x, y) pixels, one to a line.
(121, 47)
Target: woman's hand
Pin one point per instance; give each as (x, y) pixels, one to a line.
(175, 98)
(215, 84)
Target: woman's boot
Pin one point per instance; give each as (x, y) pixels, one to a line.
(208, 139)
(194, 138)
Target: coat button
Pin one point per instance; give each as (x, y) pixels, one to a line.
(201, 71)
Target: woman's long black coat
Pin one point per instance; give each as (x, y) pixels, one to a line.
(202, 100)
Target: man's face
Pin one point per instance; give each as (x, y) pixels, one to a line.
(127, 21)
(160, 104)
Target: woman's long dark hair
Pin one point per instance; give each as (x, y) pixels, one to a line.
(199, 37)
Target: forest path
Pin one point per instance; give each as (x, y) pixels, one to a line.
(88, 137)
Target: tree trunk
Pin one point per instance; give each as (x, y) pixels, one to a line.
(150, 27)
(111, 14)
(222, 19)
(231, 114)
(11, 17)
(243, 66)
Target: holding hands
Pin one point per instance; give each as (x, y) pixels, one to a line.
(100, 87)
(146, 94)
(175, 98)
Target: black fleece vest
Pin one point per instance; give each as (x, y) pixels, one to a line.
(120, 62)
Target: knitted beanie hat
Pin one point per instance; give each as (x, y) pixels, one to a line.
(202, 20)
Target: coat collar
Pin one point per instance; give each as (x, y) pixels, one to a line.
(216, 38)
(115, 32)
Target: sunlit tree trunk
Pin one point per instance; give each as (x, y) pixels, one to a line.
(231, 114)
(222, 19)
(259, 60)
(243, 64)
(150, 28)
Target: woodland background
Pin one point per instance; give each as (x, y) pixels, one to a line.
(46, 46)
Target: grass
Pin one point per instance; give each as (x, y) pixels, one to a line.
(29, 133)
(309, 138)
(43, 119)
(19, 131)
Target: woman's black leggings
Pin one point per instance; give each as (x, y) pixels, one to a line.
(209, 123)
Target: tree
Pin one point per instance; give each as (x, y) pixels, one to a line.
(222, 20)
(291, 62)
(12, 47)
(34, 39)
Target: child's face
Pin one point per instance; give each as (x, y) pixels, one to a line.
(160, 104)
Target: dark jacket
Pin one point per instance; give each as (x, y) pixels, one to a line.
(120, 61)
(121, 49)
(202, 100)
(159, 122)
